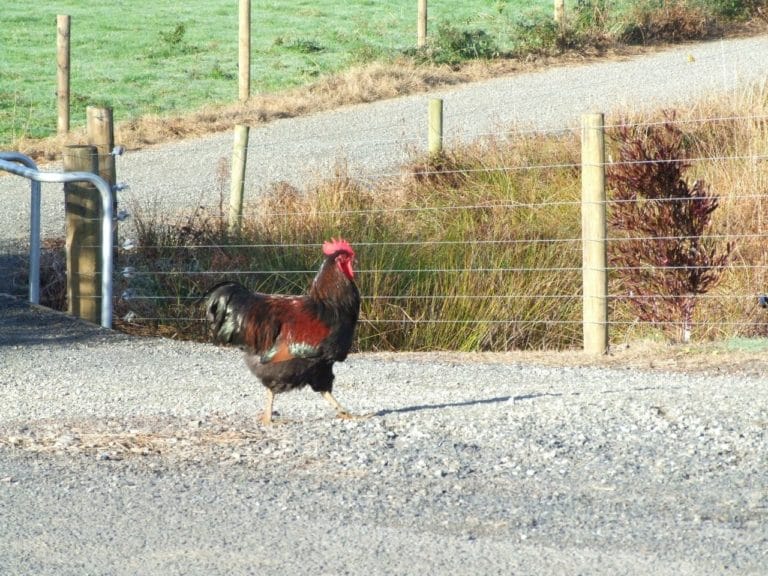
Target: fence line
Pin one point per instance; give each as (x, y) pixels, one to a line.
(454, 133)
(389, 307)
(463, 242)
(488, 206)
(574, 323)
(374, 177)
(565, 165)
(611, 296)
(448, 270)
(484, 206)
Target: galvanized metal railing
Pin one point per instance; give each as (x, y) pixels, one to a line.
(34, 225)
(24, 166)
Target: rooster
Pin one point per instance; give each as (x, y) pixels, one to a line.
(292, 341)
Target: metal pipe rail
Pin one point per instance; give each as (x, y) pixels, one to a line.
(34, 225)
(24, 166)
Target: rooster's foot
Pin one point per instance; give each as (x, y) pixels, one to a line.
(344, 415)
(274, 420)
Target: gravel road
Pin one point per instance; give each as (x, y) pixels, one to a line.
(142, 456)
(374, 139)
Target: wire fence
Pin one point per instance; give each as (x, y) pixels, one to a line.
(480, 248)
(479, 253)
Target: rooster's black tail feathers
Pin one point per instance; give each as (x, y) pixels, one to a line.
(226, 306)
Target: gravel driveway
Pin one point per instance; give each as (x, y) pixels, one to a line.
(143, 456)
(374, 139)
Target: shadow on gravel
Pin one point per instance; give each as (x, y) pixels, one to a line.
(496, 400)
(13, 265)
(24, 324)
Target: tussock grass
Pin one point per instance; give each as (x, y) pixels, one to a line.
(458, 253)
(447, 259)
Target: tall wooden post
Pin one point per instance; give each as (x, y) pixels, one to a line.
(435, 126)
(239, 157)
(62, 72)
(594, 233)
(82, 206)
(244, 46)
(101, 134)
(560, 13)
(421, 25)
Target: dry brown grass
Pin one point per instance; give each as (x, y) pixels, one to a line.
(652, 355)
(368, 83)
(675, 21)
(114, 439)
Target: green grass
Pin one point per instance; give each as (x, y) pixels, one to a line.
(131, 56)
(746, 344)
(145, 57)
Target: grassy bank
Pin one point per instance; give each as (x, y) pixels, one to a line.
(136, 56)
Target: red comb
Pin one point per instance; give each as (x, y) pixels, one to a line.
(333, 245)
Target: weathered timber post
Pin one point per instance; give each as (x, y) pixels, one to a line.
(421, 24)
(239, 157)
(435, 127)
(244, 51)
(62, 72)
(82, 207)
(101, 134)
(593, 234)
(560, 14)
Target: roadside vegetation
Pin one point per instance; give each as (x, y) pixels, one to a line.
(426, 287)
(318, 55)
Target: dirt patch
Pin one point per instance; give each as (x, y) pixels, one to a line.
(747, 356)
(117, 439)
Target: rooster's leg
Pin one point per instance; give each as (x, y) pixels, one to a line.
(266, 415)
(341, 412)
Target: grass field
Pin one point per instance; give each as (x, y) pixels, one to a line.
(144, 57)
(169, 70)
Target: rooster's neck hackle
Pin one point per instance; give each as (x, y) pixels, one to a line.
(332, 287)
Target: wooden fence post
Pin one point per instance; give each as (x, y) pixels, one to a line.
(82, 206)
(593, 234)
(435, 126)
(244, 45)
(101, 134)
(560, 13)
(62, 72)
(239, 157)
(421, 25)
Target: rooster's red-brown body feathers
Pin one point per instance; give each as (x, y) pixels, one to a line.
(292, 341)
